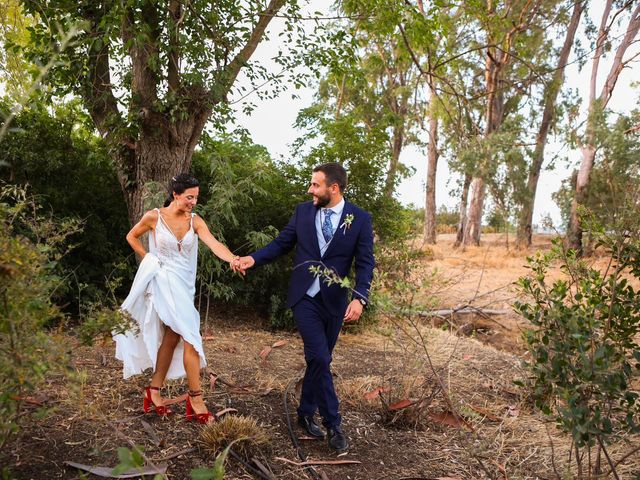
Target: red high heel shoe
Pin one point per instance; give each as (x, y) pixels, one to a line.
(203, 418)
(148, 403)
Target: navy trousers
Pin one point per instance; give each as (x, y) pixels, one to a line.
(319, 331)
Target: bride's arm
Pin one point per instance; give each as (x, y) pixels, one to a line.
(219, 249)
(146, 223)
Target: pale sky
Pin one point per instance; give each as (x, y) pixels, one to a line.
(271, 125)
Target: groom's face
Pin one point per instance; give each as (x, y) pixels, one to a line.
(319, 190)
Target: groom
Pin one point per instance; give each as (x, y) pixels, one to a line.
(328, 232)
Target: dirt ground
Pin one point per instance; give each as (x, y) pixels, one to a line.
(465, 418)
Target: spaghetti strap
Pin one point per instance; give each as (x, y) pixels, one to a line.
(155, 243)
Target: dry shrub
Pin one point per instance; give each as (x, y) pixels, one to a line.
(244, 431)
(408, 402)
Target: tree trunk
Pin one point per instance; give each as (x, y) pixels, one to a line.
(430, 194)
(474, 222)
(588, 149)
(574, 235)
(160, 157)
(462, 224)
(396, 149)
(525, 220)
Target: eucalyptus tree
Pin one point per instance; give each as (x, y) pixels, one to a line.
(615, 177)
(412, 34)
(427, 36)
(512, 35)
(377, 83)
(549, 116)
(152, 74)
(624, 14)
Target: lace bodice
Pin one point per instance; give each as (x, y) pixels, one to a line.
(182, 253)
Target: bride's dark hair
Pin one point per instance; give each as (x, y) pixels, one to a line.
(179, 184)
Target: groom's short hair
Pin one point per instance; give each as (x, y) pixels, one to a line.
(334, 173)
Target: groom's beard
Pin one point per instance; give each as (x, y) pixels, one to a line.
(322, 201)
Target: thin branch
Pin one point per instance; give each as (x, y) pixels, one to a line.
(243, 56)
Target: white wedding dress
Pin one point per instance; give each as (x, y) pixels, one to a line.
(162, 293)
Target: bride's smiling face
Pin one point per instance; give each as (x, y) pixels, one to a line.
(187, 199)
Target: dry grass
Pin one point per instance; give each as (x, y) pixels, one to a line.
(353, 390)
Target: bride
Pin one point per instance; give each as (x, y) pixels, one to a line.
(161, 298)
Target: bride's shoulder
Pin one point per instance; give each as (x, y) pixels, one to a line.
(151, 216)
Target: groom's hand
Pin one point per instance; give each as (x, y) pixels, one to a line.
(354, 310)
(246, 262)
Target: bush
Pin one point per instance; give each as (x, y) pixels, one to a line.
(68, 169)
(245, 198)
(584, 345)
(31, 246)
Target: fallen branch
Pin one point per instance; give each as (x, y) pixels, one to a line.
(319, 462)
(177, 454)
(461, 311)
(106, 472)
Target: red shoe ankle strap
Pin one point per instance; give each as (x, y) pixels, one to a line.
(195, 393)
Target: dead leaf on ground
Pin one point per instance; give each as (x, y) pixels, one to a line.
(230, 349)
(513, 411)
(174, 400)
(30, 400)
(447, 418)
(320, 462)
(400, 405)
(152, 433)
(212, 381)
(224, 411)
(265, 353)
(279, 343)
(209, 337)
(375, 393)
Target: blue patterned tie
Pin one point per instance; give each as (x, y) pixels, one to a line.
(327, 228)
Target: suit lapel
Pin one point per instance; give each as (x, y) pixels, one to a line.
(310, 219)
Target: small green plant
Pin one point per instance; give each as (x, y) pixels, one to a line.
(214, 473)
(583, 344)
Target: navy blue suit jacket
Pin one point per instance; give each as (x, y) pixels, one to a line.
(347, 245)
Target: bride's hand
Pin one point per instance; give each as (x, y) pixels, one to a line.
(235, 265)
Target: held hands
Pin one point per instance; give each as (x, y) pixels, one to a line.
(245, 262)
(354, 310)
(235, 265)
(241, 264)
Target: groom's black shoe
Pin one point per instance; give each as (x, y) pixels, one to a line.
(337, 439)
(310, 426)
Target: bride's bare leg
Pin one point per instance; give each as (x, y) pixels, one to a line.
(170, 340)
(192, 367)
